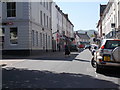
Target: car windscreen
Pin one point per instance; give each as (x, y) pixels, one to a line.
(111, 44)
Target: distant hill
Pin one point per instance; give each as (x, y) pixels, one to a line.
(89, 32)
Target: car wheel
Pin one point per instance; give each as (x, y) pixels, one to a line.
(93, 62)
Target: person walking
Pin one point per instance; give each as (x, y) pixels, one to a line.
(67, 50)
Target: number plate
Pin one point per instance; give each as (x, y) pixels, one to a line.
(106, 58)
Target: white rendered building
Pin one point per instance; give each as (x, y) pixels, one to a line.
(62, 28)
(26, 27)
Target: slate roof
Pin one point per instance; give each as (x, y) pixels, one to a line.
(83, 35)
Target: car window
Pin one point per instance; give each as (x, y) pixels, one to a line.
(111, 44)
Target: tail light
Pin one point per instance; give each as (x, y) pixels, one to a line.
(103, 47)
(102, 50)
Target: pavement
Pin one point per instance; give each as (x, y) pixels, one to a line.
(12, 59)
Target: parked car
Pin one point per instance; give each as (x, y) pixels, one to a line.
(81, 46)
(107, 55)
(87, 46)
(73, 47)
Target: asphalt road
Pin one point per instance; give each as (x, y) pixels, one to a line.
(57, 71)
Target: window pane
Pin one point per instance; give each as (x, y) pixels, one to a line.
(112, 44)
(9, 13)
(13, 36)
(8, 5)
(11, 9)
(2, 34)
(40, 39)
(13, 13)
(44, 20)
(46, 41)
(41, 18)
(47, 21)
(43, 40)
(36, 38)
(32, 37)
(3, 37)
(49, 42)
(44, 3)
(13, 5)
(3, 31)
(47, 5)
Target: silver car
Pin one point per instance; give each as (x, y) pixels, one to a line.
(107, 55)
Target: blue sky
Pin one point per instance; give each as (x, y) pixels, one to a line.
(84, 15)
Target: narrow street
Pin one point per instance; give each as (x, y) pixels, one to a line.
(36, 37)
(56, 71)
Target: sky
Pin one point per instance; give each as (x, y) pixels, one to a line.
(83, 15)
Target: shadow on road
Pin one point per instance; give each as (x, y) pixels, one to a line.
(47, 56)
(61, 58)
(107, 71)
(22, 78)
(112, 72)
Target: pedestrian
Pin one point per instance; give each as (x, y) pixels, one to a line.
(67, 50)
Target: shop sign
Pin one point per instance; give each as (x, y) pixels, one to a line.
(7, 23)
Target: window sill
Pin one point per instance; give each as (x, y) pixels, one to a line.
(13, 44)
(11, 17)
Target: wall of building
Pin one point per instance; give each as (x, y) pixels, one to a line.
(1, 27)
(32, 34)
(37, 23)
(61, 27)
(77, 39)
(42, 28)
(64, 25)
(118, 13)
(110, 16)
(21, 23)
(54, 25)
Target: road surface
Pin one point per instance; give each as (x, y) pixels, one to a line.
(57, 71)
